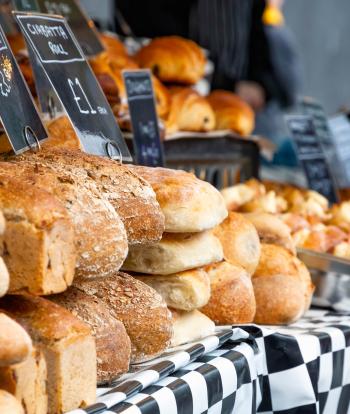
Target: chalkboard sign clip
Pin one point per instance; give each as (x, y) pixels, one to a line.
(110, 147)
(29, 136)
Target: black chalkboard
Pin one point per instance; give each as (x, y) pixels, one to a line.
(146, 138)
(74, 83)
(82, 27)
(18, 113)
(311, 156)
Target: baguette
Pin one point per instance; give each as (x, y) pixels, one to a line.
(27, 382)
(186, 291)
(131, 196)
(15, 343)
(100, 237)
(189, 204)
(141, 309)
(38, 242)
(112, 341)
(67, 345)
(9, 404)
(175, 253)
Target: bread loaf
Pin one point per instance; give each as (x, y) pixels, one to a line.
(232, 298)
(175, 253)
(27, 382)
(62, 134)
(9, 404)
(15, 343)
(141, 309)
(67, 345)
(100, 238)
(38, 243)
(272, 230)
(240, 241)
(4, 275)
(282, 287)
(189, 204)
(187, 290)
(190, 326)
(133, 198)
(112, 341)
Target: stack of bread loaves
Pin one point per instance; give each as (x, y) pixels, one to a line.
(174, 266)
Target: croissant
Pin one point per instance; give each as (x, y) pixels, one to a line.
(189, 111)
(173, 59)
(232, 112)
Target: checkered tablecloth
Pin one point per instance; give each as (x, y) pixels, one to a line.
(303, 368)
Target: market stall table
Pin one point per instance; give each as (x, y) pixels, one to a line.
(302, 368)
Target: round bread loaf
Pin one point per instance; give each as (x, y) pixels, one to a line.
(15, 343)
(175, 253)
(232, 296)
(9, 404)
(189, 204)
(272, 230)
(240, 241)
(142, 310)
(282, 287)
(186, 290)
(112, 342)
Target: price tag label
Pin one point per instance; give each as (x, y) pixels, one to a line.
(73, 81)
(311, 156)
(18, 113)
(146, 138)
(82, 27)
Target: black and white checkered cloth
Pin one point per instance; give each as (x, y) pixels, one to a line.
(303, 368)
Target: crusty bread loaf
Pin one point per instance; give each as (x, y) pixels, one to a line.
(38, 242)
(15, 343)
(186, 290)
(100, 237)
(282, 287)
(189, 204)
(240, 241)
(62, 134)
(272, 230)
(173, 59)
(190, 326)
(131, 196)
(141, 309)
(175, 253)
(27, 382)
(67, 345)
(9, 404)
(112, 341)
(4, 278)
(232, 298)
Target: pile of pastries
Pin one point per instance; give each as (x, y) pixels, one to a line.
(177, 64)
(314, 224)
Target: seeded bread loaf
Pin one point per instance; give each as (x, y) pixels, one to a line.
(100, 237)
(67, 345)
(38, 242)
(141, 309)
(112, 341)
(131, 196)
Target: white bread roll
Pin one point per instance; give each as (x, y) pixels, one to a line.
(174, 253)
(190, 326)
(186, 290)
(9, 404)
(240, 241)
(282, 287)
(232, 298)
(189, 204)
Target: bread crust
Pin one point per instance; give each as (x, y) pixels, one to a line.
(9, 404)
(141, 309)
(189, 204)
(232, 297)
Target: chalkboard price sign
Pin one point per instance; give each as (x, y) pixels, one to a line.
(18, 113)
(82, 27)
(311, 156)
(147, 144)
(73, 81)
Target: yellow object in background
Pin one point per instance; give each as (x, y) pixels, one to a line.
(273, 16)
